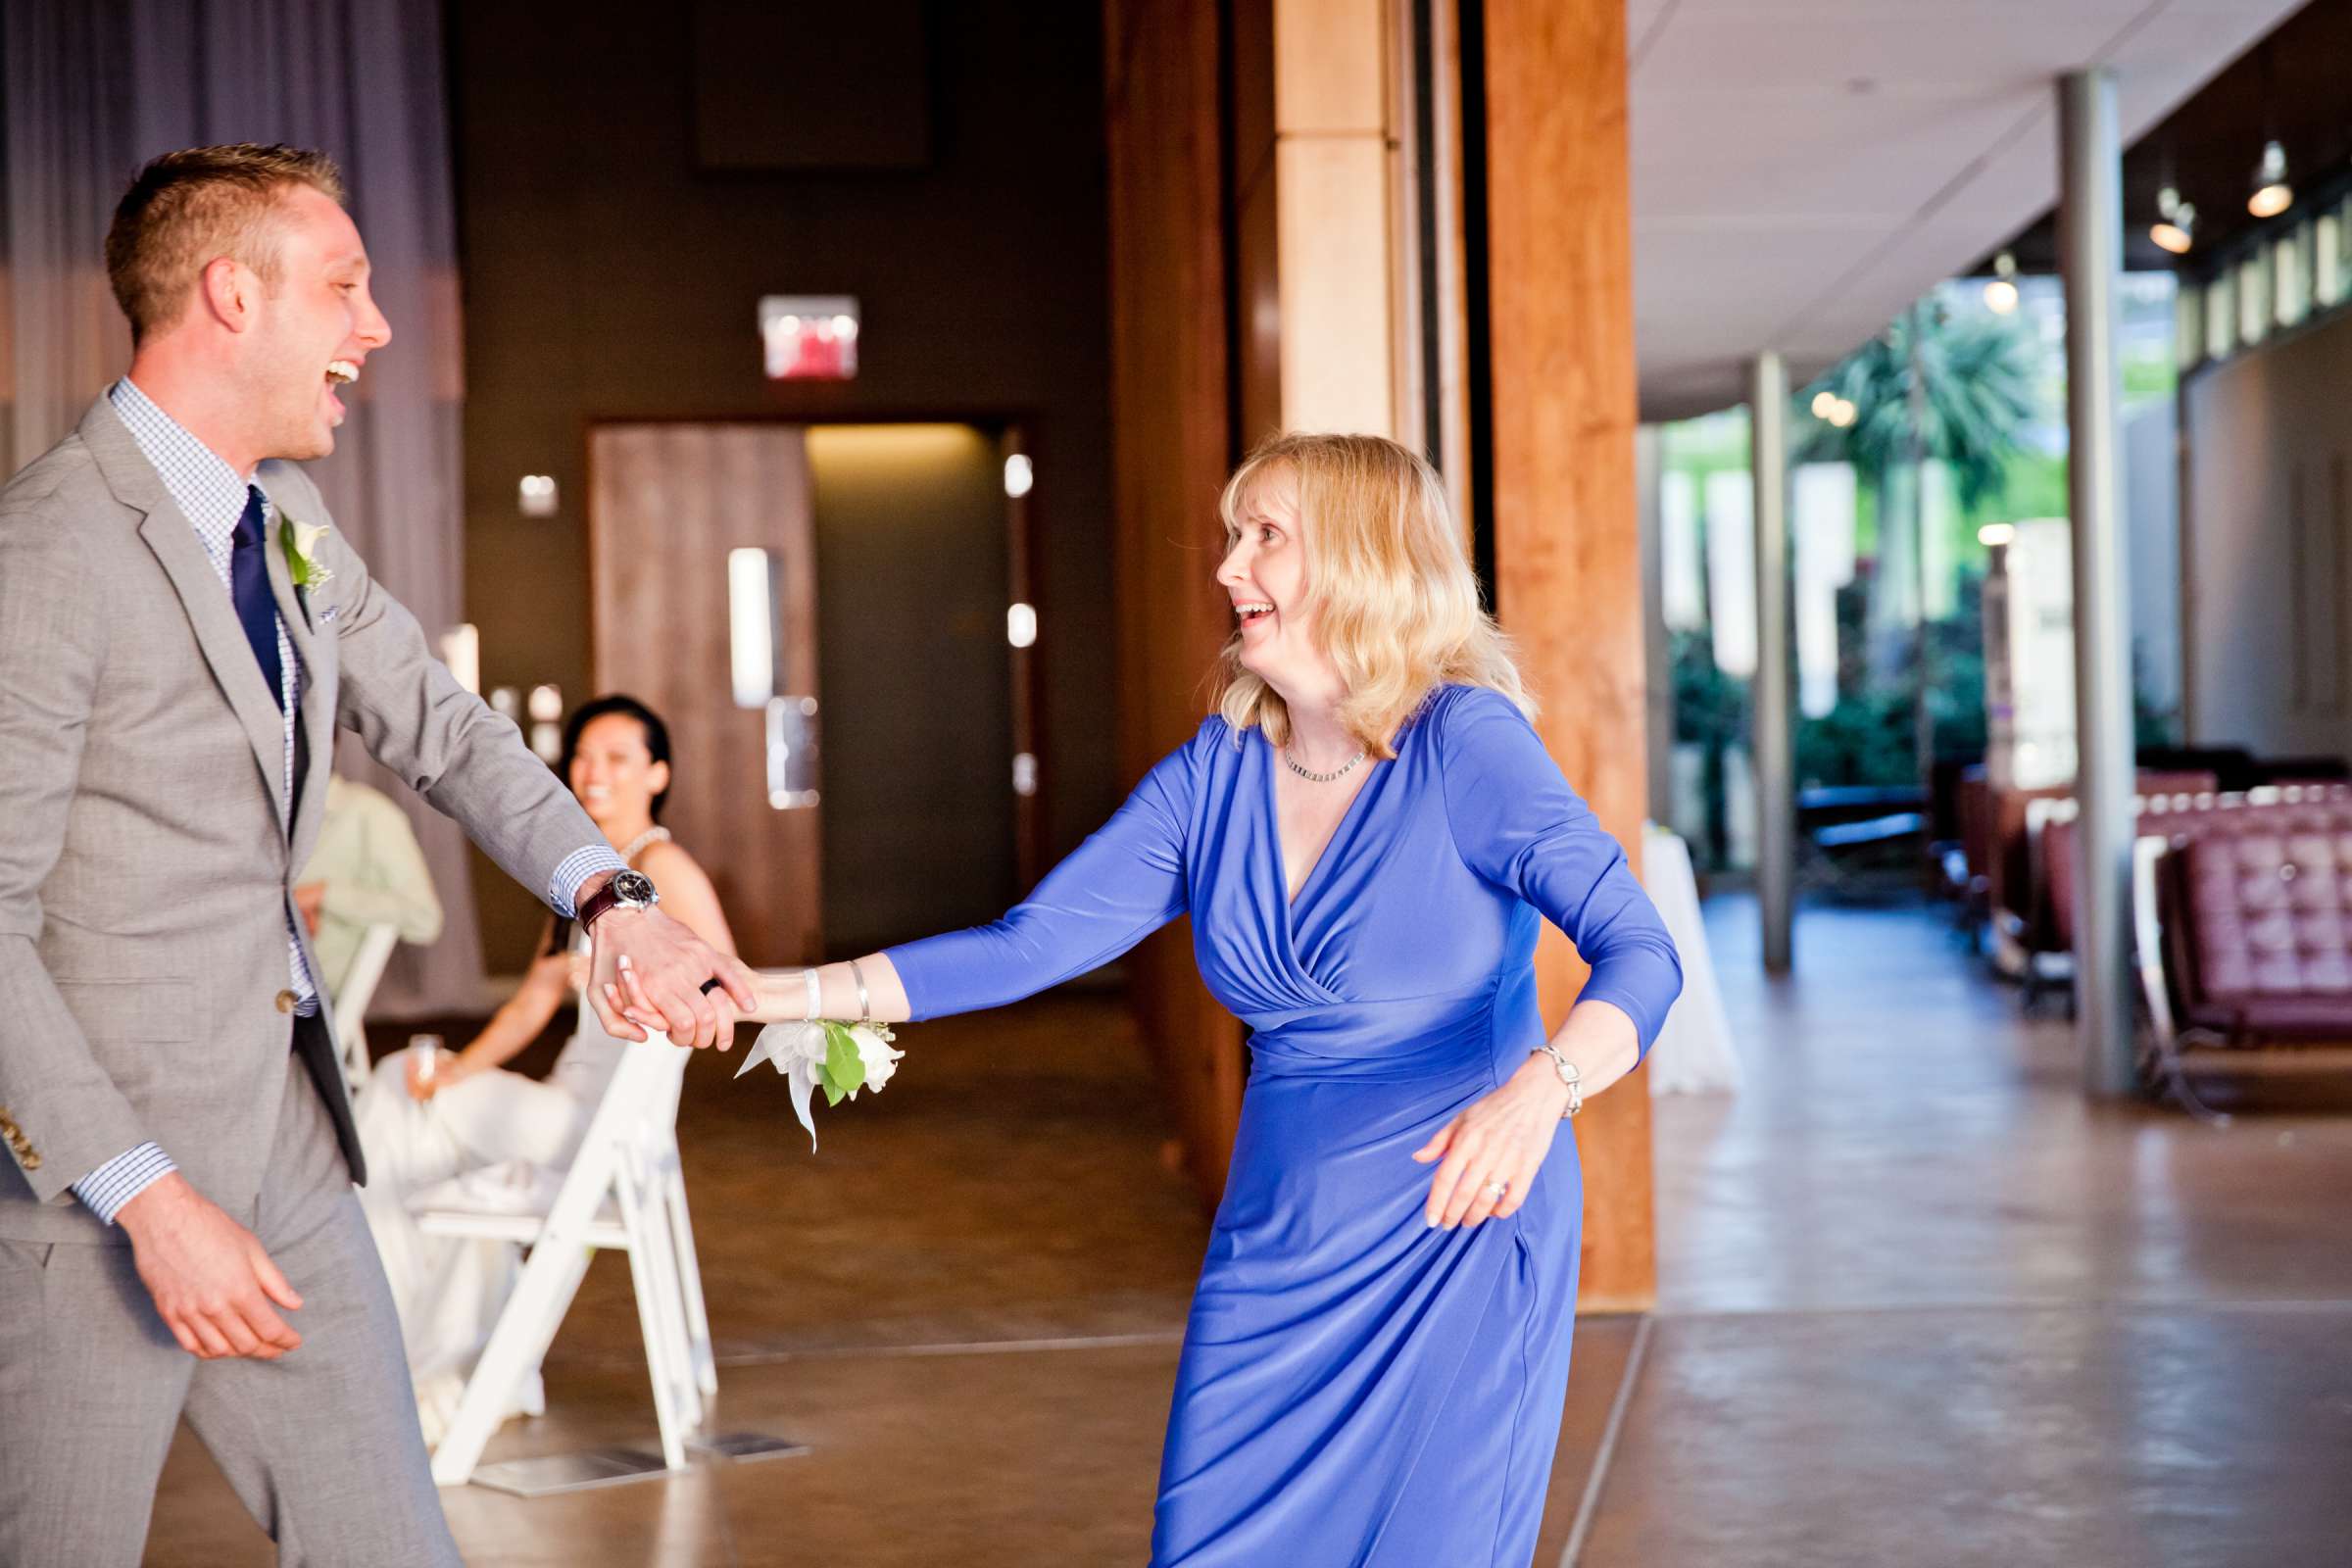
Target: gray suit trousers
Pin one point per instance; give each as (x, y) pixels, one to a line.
(321, 1444)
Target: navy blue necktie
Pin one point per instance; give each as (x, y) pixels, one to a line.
(249, 585)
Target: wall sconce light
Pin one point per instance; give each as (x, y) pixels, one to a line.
(750, 627)
(535, 495)
(1019, 475)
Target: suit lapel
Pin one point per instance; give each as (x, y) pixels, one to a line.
(316, 646)
(211, 611)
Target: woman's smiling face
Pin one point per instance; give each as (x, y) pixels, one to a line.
(613, 773)
(1264, 574)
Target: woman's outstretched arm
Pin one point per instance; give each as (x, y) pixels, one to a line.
(1123, 883)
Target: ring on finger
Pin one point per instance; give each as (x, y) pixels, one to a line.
(1495, 1191)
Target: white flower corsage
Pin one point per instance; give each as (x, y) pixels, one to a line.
(300, 542)
(822, 1052)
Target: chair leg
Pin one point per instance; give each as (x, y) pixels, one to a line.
(662, 1272)
(526, 1326)
(646, 1265)
(2170, 1077)
(690, 1281)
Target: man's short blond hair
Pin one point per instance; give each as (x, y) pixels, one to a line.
(187, 209)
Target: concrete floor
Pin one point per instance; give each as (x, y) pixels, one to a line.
(1920, 1304)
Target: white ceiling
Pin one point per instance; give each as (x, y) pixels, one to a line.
(1803, 170)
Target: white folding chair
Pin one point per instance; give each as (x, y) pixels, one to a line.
(351, 1003)
(623, 1190)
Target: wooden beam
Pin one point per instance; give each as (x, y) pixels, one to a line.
(1171, 422)
(1567, 554)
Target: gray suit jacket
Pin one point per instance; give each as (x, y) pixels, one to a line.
(146, 857)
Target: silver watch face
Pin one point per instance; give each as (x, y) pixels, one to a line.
(634, 890)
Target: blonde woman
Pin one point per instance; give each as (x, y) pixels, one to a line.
(1366, 834)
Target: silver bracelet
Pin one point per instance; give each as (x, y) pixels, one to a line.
(1568, 1075)
(866, 1005)
(816, 994)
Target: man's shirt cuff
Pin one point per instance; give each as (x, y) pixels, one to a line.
(577, 868)
(104, 1191)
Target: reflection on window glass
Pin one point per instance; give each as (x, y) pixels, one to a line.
(2189, 326)
(2254, 296)
(2220, 316)
(2290, 277)
(2330, 261)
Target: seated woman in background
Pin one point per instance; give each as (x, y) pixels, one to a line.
(432, 1116)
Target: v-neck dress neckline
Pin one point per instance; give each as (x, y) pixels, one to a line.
(1269, 796)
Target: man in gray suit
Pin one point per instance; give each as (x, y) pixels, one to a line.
(180, 631)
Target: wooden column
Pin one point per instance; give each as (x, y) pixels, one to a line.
(1567, 552)
(1171, 436)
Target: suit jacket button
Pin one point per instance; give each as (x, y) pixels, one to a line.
(285, 1001)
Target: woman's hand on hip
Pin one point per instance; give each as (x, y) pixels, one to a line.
(1498, 1141)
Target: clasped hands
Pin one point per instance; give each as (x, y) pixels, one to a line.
(668, 967)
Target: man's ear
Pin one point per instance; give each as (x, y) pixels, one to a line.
(227, 291)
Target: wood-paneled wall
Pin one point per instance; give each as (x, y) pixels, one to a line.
(1567, 554)
(1171, 423)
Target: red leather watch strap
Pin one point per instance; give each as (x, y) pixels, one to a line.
(598, 902)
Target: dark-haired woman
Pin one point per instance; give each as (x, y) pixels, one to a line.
(431, 1116)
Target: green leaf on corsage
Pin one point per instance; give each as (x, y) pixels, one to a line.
(298, 541)
(843, 1070)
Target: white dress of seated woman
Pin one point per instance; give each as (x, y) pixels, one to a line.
(500, 1136)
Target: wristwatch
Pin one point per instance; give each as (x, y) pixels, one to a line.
(626, 890)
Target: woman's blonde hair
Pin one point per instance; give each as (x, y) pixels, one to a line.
(1393, 600)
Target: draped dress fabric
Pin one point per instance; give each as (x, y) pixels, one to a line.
(1355, 1388)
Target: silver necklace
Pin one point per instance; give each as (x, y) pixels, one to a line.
(1337, 774)
(656, 834)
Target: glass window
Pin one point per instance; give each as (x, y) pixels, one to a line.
(2328, 259)
(2290, 275)
(2220, 316)
(2188, 324)
(2254, 296)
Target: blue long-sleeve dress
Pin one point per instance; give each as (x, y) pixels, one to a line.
(1355, 1388)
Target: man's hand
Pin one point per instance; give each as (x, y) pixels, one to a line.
(310, 899)
(212, 1282)
(670, 963)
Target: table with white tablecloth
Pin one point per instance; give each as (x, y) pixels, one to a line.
(1693, 1052)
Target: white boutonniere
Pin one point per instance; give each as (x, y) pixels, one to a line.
(300, 542)
(839, 1058)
